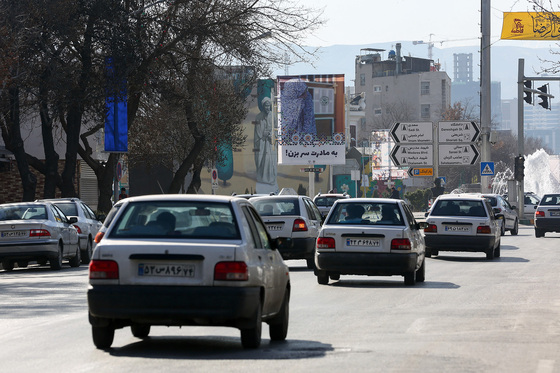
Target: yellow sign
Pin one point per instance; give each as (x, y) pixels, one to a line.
(531, 26)
(421, 171)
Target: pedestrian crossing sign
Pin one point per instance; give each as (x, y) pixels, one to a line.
(487, 168)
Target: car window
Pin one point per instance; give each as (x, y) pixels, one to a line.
(255, 237)
(318, 215)
(459, 208)
(68, 208)
(88, 212)
(550, 200)
(58, 214)
(409, 215)
(176, 219)
(277, 206)
(111, 214)
(310, 207)
(35, 213)
(261, 229)
(12, 212)
(366, 213)
(531, 200)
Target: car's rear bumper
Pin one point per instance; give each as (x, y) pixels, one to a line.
(373, 264)
(172, 305)
(300, 248)
(549, 224)
(44, 249)
(460, 243)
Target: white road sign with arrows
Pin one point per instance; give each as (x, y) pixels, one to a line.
(463, 132)
(413, 132)
(459, 154)
(413, 155)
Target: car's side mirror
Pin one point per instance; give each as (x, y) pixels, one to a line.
(426, 214)
(514, 207)
(496, 210)
(72, 220)
(422, 225)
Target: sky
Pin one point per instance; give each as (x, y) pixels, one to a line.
(449, 23)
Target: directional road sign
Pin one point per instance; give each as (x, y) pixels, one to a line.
(421, 171)
(413, 155)
(413, 132)
(457, 155)
(463, 132)
(487, 168)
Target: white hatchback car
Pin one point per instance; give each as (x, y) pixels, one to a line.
(179, 260)
(462, 222)
(373, 237)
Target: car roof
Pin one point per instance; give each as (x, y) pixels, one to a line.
(368, 200)
(474, 196)
(69, 199)
(34, 203)
(281, 197)
(184, 197)
(343, 195)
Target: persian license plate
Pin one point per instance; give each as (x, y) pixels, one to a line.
(14, 234)
(555, 213)
(457, 228)
(166, 270)
(274, 227)
(365, 242)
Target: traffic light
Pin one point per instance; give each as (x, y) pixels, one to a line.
(544, 97)
(519, 168)
(528, 94)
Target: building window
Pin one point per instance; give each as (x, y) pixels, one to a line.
(377, 88)
(377, 111)
(362, 79)
(425, 111)
(363, 124)
(424, 88)
(386, 88)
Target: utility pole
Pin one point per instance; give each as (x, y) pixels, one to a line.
(485, 91)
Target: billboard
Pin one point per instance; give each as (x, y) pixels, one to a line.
(116, 117)
(531, 26)
(311, 120)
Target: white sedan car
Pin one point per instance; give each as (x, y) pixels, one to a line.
(178, 260)
(373, 237)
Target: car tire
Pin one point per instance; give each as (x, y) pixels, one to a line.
(102, 336)
(7, 265)
(322, 278)
(428, 253)
(140, 330)
(335, 277)
(410, 278)
(251, 337)
(76, 260)
(310, 263)
(503, 228)
(421, 272)
(56, 263)
(22, 264)
(86, 254)
(497, 250)
(515, 229)
(435, 253)
(278, 327)
(490, 253)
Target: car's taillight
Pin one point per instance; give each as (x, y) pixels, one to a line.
(103, 270)
(539, 214)
(77, 228)
(431, 228)
(483, 229)
(39, 233)
(326, 243)
(299, 225)
(400, 244)
(231, 271)
(99, 236)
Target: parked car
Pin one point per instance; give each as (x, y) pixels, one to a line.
(547, 216)
(462, 222)
(88, 223)
(324, 202)
(373, 237)
(107, 221)
(530, 202)
(37, 231)
(295, 217)
(506, 213)
(180, 260)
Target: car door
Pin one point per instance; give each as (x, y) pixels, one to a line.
(314, 217)
(417, 237)
(62, 228)
(93, 224)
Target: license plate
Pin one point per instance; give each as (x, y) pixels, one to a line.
(455, 228)
(555, 213)
(274, 227)
(14, 234)
(166, 270)
(368, 242)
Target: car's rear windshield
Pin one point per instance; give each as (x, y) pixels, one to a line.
(550, 200)
(277, 206)
(459, 208)
(22, 212)
(176, 219)
(326, 201)
(493, 200)
(68, 208)
(367, 213)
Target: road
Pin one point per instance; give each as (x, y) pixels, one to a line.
(471, 315)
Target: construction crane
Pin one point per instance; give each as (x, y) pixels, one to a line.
(431, 43)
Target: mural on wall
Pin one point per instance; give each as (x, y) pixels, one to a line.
(311, 116)
(264, 140)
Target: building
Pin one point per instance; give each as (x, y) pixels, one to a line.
(399, 89)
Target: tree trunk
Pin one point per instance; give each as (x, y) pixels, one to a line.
(51, 156)
(196, 183)
(105, 184)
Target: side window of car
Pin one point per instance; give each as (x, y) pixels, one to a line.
(309, 206)
(261, 229)
(255, 238)
(489, 209)
(88, 212)
(409, 215)
(58, 215)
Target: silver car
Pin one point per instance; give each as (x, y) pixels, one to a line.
(87, 223)
(37, 231)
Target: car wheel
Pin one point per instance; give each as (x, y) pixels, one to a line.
(140, 330)
(56, 263)
(335, 277)
(435, 253)
(421, 272)
(8, 265)
(322, 278)
(428, 253)
(539, 233)
(503, 228)
(490, 253)
(310, 263)
(515, 229)
(251, 337)
(102, 336)
(86, 254)
(76, 260)
(22, 264)
(497, 251)
(278, 327)
(410, 278)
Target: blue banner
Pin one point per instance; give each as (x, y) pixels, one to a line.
(116, 118)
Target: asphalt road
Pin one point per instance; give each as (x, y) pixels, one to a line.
(471, 315)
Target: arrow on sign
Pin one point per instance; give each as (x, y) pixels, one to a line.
(413, 132)
(458, 131)
(457, 155)
(413, 155)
